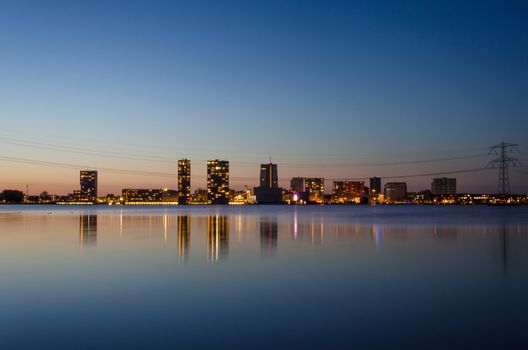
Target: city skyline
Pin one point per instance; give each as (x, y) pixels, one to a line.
(327, 89)
(184, 180)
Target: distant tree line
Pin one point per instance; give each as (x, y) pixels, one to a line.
(11, 196)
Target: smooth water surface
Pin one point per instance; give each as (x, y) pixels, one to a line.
(263, 277)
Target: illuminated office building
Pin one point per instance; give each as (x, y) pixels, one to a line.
(395, 192)
(444, 186)
(218, 181)
(268, 192)
(315, 189)
(88, 180)
(184, 181)
(347, 191)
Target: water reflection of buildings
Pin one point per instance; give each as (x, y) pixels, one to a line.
(268, 237)
(184, 237)
(312, 231)
(217, 237)
(87, 229)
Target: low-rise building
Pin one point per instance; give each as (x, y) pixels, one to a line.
(395, 192)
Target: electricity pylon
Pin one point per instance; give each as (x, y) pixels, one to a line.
(503, 162)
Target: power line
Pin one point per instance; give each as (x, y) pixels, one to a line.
(422, 161)
(169, 160)
(101, 169)
(418, 175)
(79, 166)
(173, 175)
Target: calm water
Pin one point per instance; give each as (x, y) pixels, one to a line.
(263, 277)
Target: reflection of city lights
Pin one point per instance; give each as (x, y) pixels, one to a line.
(165, 226)
(378, 237)
(295, 224)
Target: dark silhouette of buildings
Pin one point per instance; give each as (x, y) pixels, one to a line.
(375, 186)
(297, 184)
(395, 192)
(444, 185)
(268, 192)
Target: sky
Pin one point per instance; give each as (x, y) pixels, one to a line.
(333, 89)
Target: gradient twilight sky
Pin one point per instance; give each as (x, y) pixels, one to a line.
(323, 87)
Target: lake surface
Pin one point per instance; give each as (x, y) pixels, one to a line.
(263, 277)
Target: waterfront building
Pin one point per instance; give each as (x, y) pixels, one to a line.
(184, 181)
(444, 186)
(141, 195)
(395, 192)
(375, 186)
(200, 196)
(268, 192)
(242, 197)
(88, 181)
(171, 196)
(218, 181)
(315, 189)
(347, 191)
(297, 184)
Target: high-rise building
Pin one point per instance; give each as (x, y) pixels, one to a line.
(268, 192)
(218, 181)
(347, 191)
(315, 188)
(395, 192)
(184, 181)
(268, 176)
(88, 181)
(297, 184)
(444, 185)
(375, 186)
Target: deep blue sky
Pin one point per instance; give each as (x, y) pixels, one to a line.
(314, 84)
